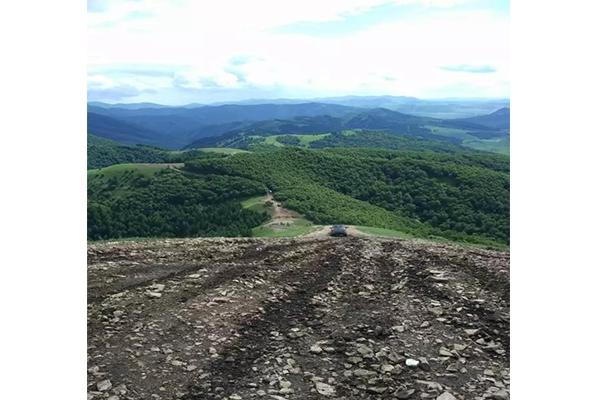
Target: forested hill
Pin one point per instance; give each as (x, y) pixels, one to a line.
(133, 200)
(104, 152)
(121, 131)
(457, 196)
(499, 119)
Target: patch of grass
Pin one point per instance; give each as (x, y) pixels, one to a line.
(500, 145)
(450, 132)
(258, 204)
(370, 230)
(297, 227)
(305, 140)
(222, 150)
(253, 201)
(272, 141)
(146, 170)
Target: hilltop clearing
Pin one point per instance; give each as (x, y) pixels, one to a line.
(343, 318)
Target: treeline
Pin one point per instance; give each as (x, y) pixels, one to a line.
(458, 196)
(104, 152)
(170, 204)
(383, 140)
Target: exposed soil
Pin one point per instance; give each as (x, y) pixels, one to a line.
(307, 318)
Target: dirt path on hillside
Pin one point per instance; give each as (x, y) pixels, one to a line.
(305, 318)
(281, 213)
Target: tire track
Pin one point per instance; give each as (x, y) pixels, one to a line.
(237, 360)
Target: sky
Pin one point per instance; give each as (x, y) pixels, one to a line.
(185, 51)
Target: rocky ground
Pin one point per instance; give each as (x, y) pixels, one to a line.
(311, 318)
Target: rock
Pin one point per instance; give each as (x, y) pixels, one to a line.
(324, 389)
(437, 311)
(404, 394)
(158, 287)
(471, 332)
(376, 389)
(363, 372)
(154, 294)
(366, 351)
(315, 348)
(220, 299)
(235, 397)
(411, 363)
(104, 385)
(446, 396)
(452, 368)
(425, 324)
(121, 389)
(285, 384)
(398, 328)
(445, 352)
(424, 364)
(387, 368)
(499, 395)
(431, 385)
(459, 347)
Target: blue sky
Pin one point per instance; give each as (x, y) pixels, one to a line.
(183, 51)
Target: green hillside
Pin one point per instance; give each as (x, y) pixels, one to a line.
(457, 196)
(157, 201)
(104, 152)
(427, 189)
(459, 140)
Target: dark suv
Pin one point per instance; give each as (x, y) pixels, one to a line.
(338, 230)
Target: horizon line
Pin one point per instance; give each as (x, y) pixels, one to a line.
(301, 100)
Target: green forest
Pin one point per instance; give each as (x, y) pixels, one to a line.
(104, 152)
(457, 196)
(169, 203)
(417, 186)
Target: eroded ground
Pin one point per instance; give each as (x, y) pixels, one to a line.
(310, 318)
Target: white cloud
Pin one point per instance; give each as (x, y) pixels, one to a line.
(199, 42)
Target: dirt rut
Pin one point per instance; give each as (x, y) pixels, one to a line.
(296, 319)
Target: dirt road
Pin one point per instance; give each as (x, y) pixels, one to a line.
(309, 318)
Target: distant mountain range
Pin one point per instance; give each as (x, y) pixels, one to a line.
(438, 108)
(499, 119)
(122, 131)
(179, 127)
(174, 127)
